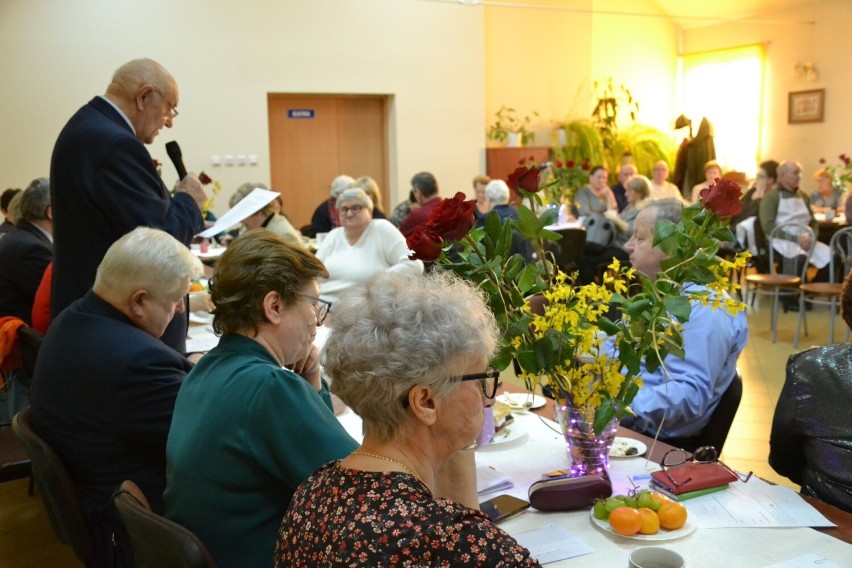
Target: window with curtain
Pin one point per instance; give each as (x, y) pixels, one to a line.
(726, 87)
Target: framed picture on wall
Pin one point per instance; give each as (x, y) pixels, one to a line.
(806, 106)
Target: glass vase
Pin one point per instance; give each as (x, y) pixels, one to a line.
(588, 452)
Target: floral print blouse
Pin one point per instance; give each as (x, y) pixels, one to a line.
(348, 517)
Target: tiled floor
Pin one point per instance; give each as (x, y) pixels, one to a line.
(26, 539)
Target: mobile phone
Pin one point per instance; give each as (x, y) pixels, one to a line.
(502, 507)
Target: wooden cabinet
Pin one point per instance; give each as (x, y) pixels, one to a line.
(500, 162)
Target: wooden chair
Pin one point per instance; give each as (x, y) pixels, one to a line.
(785, 271)
(828, 293)
(157, 542)
(29, 340)
(56, 489)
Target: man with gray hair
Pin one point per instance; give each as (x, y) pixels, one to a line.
(683, 396)
(26, 251)
(105, 184)
(104, 385)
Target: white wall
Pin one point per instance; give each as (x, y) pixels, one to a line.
(226, 55)
(825, 42)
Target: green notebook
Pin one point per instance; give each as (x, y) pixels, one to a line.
(688, 494)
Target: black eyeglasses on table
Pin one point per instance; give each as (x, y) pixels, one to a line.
(704, 454)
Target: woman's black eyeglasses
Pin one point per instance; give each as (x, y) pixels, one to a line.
(320, 306)
(487, 381)
(704, 454)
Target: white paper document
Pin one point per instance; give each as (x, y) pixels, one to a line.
(489, 480)
(806, 561)
(552, 543)
(249, 205)
(754, 504)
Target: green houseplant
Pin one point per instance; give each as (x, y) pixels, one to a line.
(507, 121)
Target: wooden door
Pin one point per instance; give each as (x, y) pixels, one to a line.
(314, 138)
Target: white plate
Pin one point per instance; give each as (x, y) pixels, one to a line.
(685, 530)
(200, 317)
(621, 445)
(520, 400)
(510, 433)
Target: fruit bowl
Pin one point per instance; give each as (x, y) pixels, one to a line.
(664, 534)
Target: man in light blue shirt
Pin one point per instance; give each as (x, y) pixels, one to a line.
(712, 339)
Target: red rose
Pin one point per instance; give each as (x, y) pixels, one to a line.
(569, 164)
(722, 198)
(204, 178)
(524, 178)
(424, 245)
(822, 160)
(586, 165)
(558, 163)
(452, 218)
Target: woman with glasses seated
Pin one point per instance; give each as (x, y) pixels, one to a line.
(410, 356)
(361, 247)
(253, 419)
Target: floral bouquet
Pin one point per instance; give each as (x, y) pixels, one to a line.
(584, 344)
(841, 173)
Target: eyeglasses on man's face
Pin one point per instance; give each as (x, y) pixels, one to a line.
(704, 454)
(173, 111)
(487, 381)
(355, 209)
(320, 306)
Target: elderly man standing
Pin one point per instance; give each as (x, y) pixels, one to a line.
(26, 251)
(104, 386)
(713, 339)
(104, 183)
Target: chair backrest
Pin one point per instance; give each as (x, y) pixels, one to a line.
(56, 489)
(29, 340)
(716, 431)
(14, 460)
(785, 249)
(841, 254)
(569, 248)
(157, 542)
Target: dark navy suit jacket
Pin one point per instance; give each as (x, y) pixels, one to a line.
(102, 397)
(25, 252)
(103, 184)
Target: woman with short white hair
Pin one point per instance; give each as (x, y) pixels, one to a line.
(361, 247)
(410, 355)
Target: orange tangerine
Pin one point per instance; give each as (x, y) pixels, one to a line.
(650, 521)
(625, 521)
(672, 515)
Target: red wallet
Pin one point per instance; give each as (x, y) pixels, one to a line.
(693, 476)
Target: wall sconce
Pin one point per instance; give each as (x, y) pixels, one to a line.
(807, 71)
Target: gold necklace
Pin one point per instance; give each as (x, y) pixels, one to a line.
(387, 459)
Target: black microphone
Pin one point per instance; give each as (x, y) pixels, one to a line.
(176, 156)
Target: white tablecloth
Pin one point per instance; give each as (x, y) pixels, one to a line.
(540, 449)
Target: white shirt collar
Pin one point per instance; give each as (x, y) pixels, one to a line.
(121, 112)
